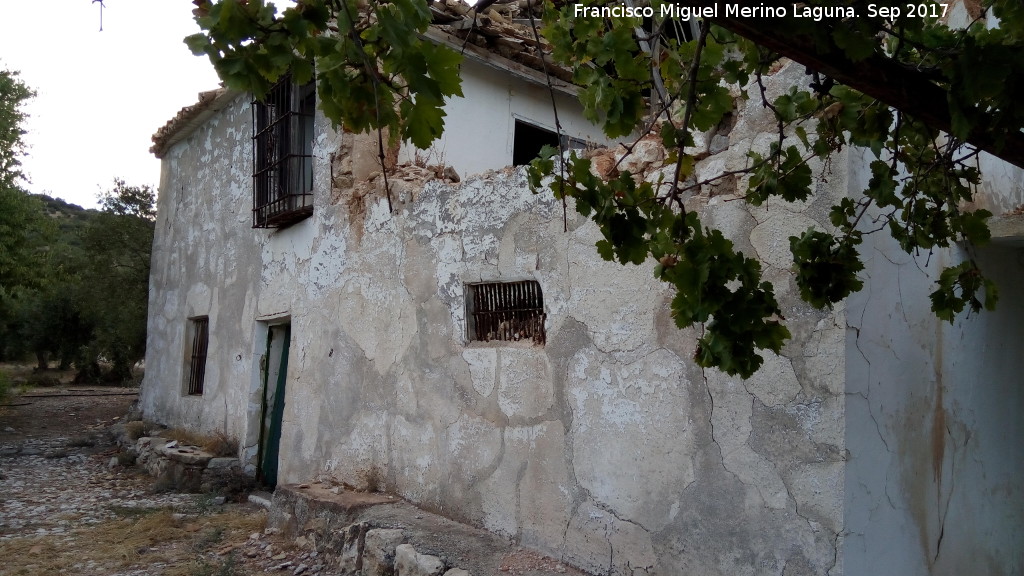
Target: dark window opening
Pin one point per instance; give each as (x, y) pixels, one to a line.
(506, 311)
(197, 368)
(283, 155)
(674, 31)
(529, 139)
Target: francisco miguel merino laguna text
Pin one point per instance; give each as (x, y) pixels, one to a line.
(669, 10)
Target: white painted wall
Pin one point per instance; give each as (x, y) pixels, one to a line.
(479, 128)
(934, 414)
(607, 447)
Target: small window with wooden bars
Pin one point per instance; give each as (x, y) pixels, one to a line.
(505, 311)
(197, 357)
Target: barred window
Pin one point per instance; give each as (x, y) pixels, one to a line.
(197, 359)
(505, 311)
(283, 154)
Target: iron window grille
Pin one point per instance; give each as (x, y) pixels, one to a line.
(197, 367)
(283, 155)
(506, 311)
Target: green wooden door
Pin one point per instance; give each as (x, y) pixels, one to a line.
(274, 378)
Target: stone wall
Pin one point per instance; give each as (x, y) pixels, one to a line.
(606, 447)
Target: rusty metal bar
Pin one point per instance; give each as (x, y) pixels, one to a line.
(507, 311)
(200, 342)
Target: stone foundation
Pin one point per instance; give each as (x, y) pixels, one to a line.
(179, 467)
(372, 534)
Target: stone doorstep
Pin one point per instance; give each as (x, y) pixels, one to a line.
(371, 534)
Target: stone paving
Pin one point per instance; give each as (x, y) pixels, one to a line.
(50, 487)
(58, 487)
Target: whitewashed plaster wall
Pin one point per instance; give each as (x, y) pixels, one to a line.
(205, 263)
(934, 413)
(606, 447)
(480, 127)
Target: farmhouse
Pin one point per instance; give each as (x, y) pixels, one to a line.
(470, 352)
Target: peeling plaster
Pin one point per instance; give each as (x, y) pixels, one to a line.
(605, 447)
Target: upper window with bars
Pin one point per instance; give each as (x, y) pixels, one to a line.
(505, 311)
(197, 356)
(283, 154)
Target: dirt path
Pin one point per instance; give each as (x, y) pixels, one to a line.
(66, 508)
(62, 412)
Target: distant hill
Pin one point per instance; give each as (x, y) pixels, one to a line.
(70, 219)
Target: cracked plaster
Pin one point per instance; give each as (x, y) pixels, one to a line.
(605, 447)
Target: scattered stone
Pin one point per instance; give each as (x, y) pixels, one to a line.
(457, 572)
(222, 463)
(379, 550)
(409, 562)
(114, 462)
(316, 525)
(719, 143)
(261, 499)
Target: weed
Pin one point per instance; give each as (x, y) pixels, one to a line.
(150, 536)
(217, 443)
(225, 568)
(126, 459)
(134, 511)
(220, 444)
(135, 429)
(206, 503)
(373, 479)
(208, 538)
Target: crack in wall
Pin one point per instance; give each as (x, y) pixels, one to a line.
(711, 423)
(835, 556)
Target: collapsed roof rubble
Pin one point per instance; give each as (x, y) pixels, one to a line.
(503, 28)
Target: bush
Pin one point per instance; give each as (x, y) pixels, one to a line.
(125, 459)
(220, 444)
(135, 429)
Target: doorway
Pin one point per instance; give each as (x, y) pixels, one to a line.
(275, 375)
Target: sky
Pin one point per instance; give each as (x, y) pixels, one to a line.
(100, 95)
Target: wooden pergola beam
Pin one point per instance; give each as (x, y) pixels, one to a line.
(905, 89)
